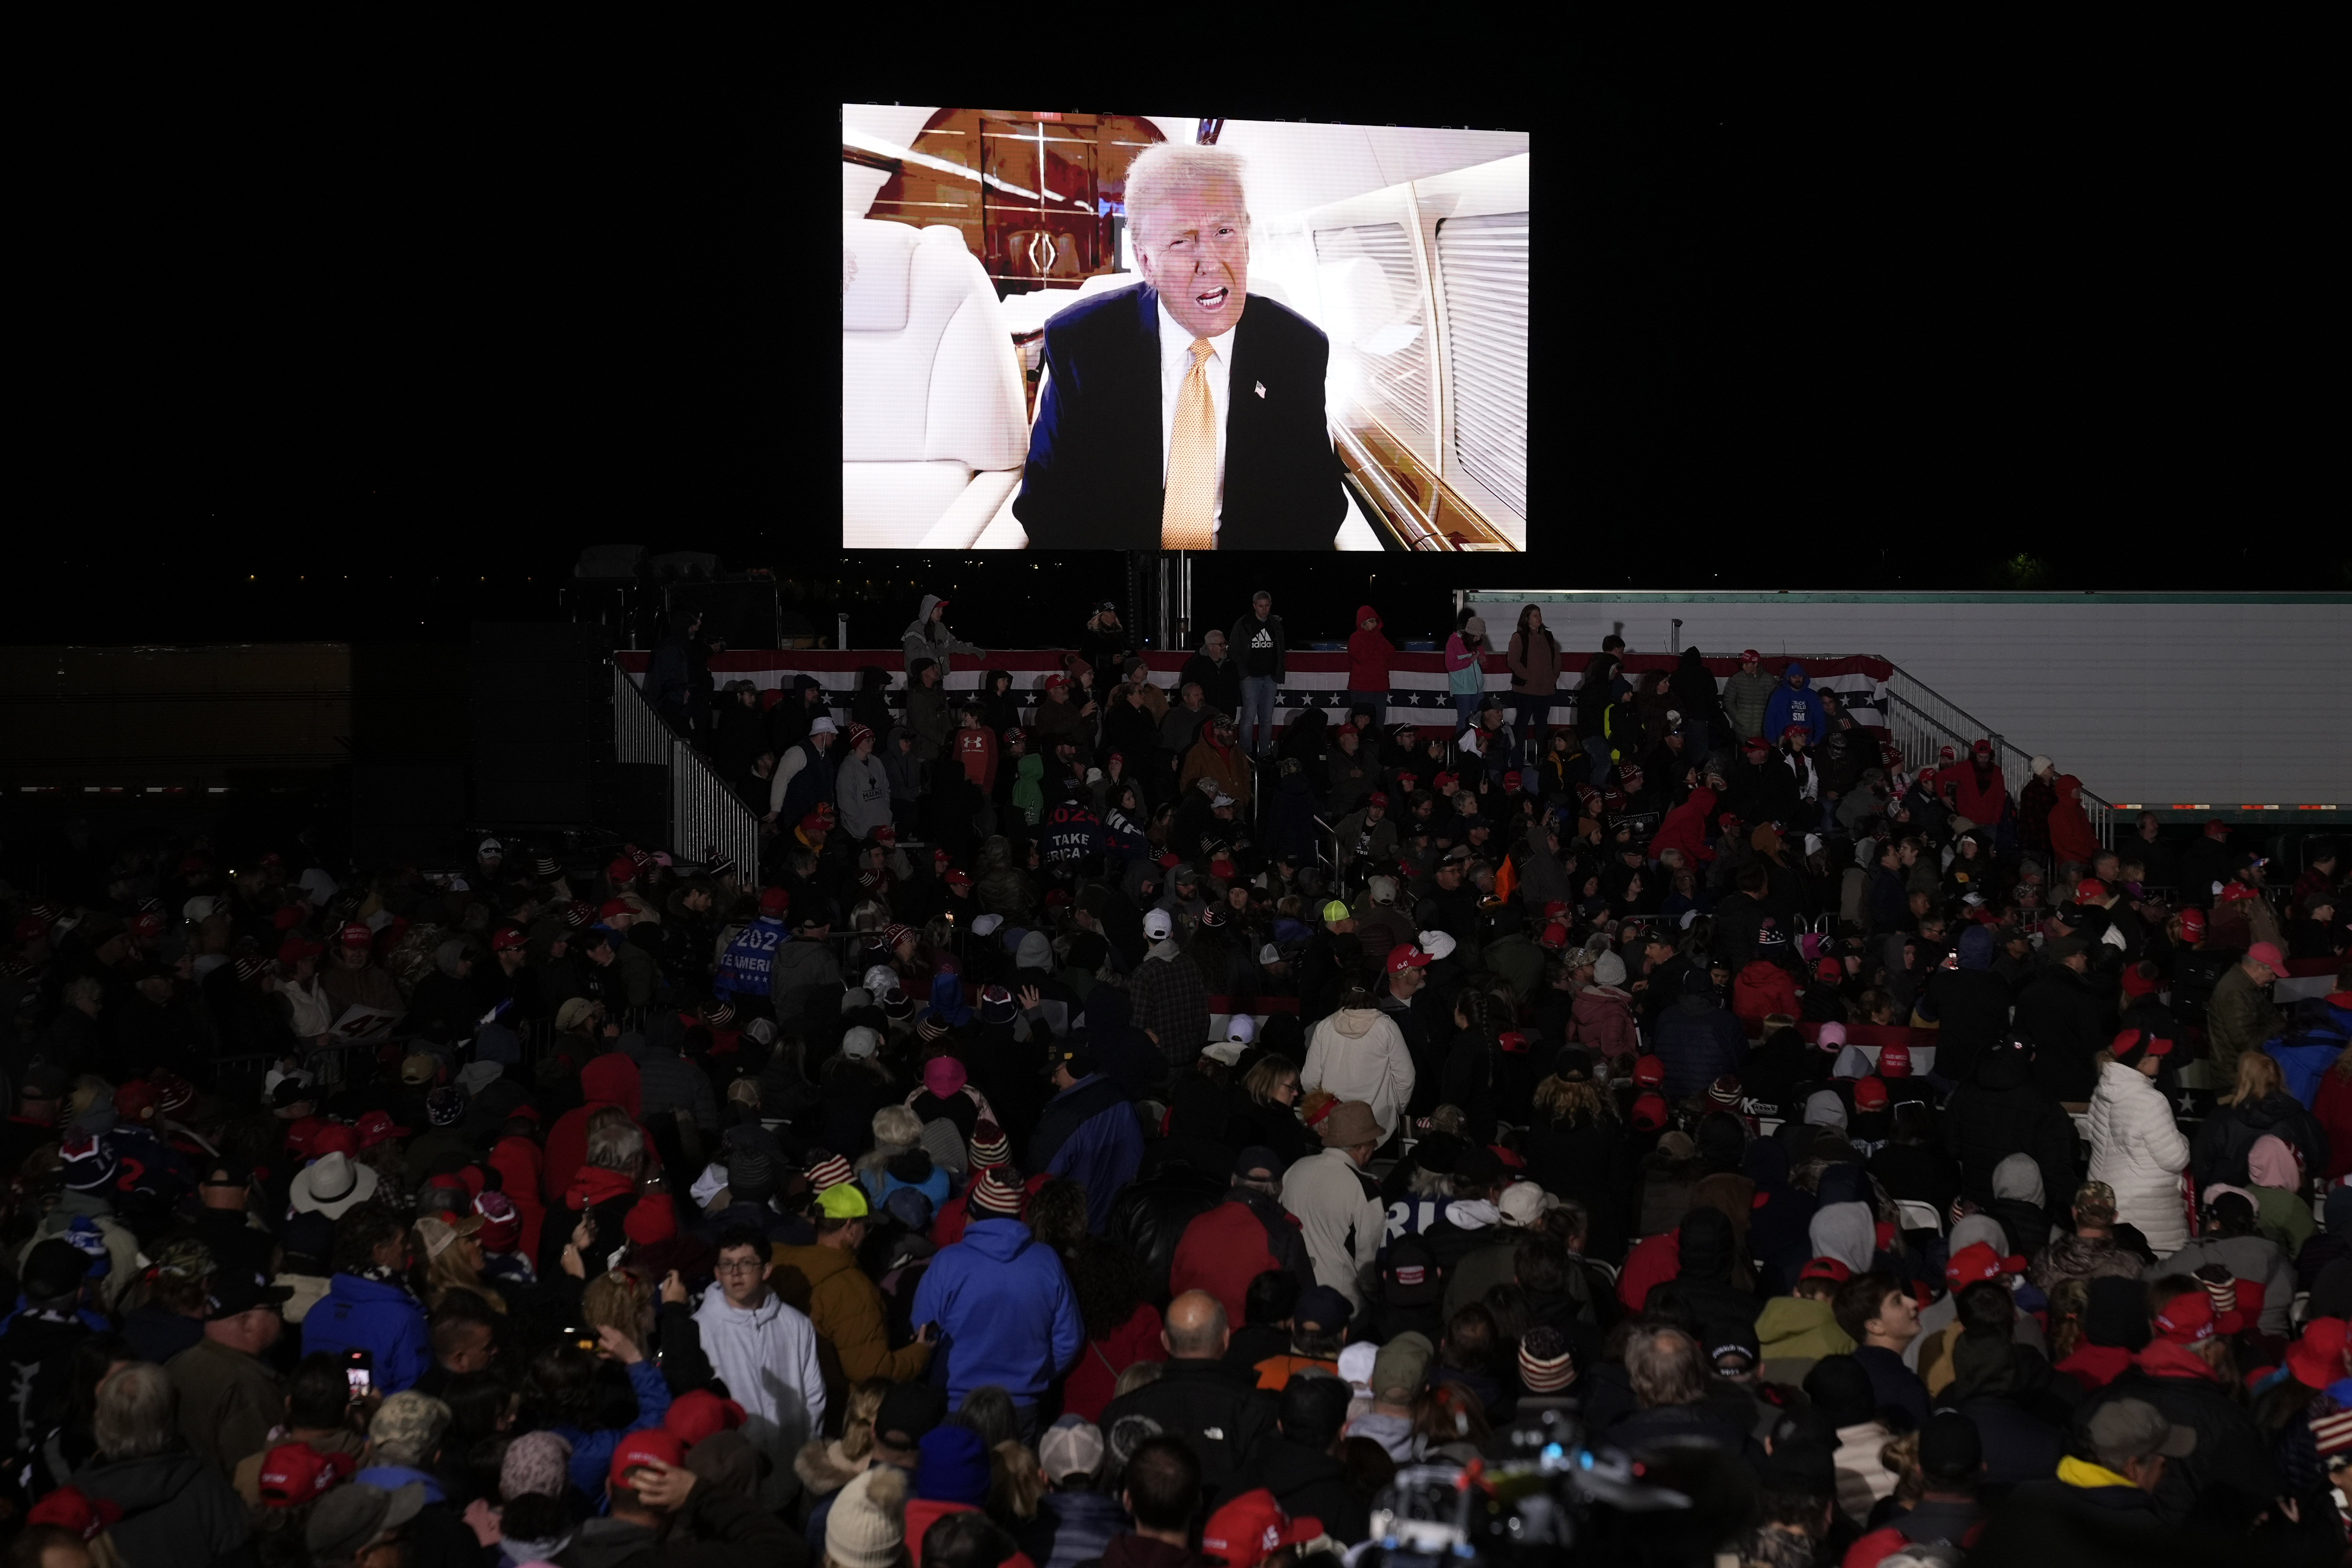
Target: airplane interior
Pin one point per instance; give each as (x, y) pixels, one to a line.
(965, 231)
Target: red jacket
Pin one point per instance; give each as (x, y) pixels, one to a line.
(607, 1079)
(2096, 1366)
(2071, 838)
(516, 1161)
(1368, 653)
(1980, 805)
(1684, 828)
(1093, 1381)
(1762, 989)
(1653, 1260)
(1221, 1252)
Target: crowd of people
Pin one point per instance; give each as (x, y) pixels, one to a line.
(1145, 1129)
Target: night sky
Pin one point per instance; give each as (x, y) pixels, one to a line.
(375, 384)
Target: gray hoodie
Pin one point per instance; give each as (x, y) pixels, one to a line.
(926, 638)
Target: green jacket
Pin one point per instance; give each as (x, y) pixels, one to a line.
(1794, 1326)
(2238, 1019)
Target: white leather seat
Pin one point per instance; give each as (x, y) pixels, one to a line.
(933, 431)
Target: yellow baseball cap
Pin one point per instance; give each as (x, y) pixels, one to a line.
(844, 1200)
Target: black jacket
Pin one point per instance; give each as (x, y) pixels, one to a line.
(1971, 1008)
(1308, 1485)
(2068, 1024)
(1151, 1212)
(1216, 1408)
(1999, 1114)
(1094, 478)
(2223, 1144)
(2231, 1451)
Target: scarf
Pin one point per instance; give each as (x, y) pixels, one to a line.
(2162, 1358)
(595, 1186)
(382, 1275)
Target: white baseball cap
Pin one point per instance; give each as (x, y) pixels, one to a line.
(1437, 943)
(1243, 1028)
(1158, 924)
(824, 726)
(986, 925)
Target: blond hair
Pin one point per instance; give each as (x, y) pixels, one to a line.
(2258, 1075)
(1162, 173)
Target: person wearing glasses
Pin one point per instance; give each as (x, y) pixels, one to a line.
(766, 1352)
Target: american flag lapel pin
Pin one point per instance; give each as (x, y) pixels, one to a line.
(1260, 389)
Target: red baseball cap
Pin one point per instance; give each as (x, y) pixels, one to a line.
(699, 1413)
(333, 1138)
(86, 1516)
(2192, 924)
(1894, 1061)
(507, 939)
(1977, 1262)
(1982, 747)
(774, 901)
(2267, 955)
(652, 1445)
(2089, 888)
(1054, 680)
(1829, 969)
(1828, 1268)
(296, 1473)
(1869, 1094)
(1749, 656)
(357, 935)
(958, 878)
(1650, 1113)
(1555, 936)
(288, 916)
(1252, 1528)
(622, 870)
(611, 907)
(1407, 955)
(1757, 743)
(148, 924)
(2316, 1359)
(1649, 1072)
(375, 1127)
(301, 1134)
(1379, 798)
(1442, 782)
(2188, 1319)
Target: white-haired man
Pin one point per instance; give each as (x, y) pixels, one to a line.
(1183, 412)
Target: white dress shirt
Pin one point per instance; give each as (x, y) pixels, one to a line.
(1175, 364)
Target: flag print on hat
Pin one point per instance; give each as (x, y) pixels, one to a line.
(990, 1147)
(829, 1172)
(1545, 1364)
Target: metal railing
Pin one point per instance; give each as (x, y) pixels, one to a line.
(1923, 722)
(705, 815)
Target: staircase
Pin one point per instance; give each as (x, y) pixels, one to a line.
(706, 817)
(1923, 722)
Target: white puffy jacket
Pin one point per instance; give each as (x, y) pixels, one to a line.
(2137, 1149)
(1359, 1054)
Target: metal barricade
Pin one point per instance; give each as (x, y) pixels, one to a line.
(1923, 722)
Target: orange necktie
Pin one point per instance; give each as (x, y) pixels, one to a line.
(1188, 515)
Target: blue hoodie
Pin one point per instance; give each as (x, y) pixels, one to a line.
(1975, 948)
(382, 1320)
(1799, 704)
(1005, 1311)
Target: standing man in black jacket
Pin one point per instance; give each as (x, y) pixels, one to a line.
(1215, 1407)
(1263, 650)
(2067, 1020)
(1593, 699)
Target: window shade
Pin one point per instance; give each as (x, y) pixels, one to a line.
(1395, 359)
(1481, 269)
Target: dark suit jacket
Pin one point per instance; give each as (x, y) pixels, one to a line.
(1093, 479)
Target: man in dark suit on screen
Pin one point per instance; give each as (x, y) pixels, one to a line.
(1183, 412)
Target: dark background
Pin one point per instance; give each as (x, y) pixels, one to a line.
(329, 374)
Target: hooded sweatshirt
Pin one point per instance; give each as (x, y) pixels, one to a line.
(1006, 1313)
(924, 639)
(1794, 701)
(1846, 1232)
(767, 1356)
(1358, 1053)
(1368, 653)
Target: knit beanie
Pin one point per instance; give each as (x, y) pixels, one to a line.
(2114, 1313)
(998, 1194)
(1544, 1363)
(954, 1466)
(990, 1146)
(750, 1175)
(831, 1171)
(867, 1527)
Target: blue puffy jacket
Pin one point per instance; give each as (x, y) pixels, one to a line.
(1006, 1309)
(1088, 1133)
(1698, 1042)
(1798, 704)
(383, 1319)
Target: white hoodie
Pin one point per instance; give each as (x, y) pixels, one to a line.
(768, 1360)
(1359, 1054)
